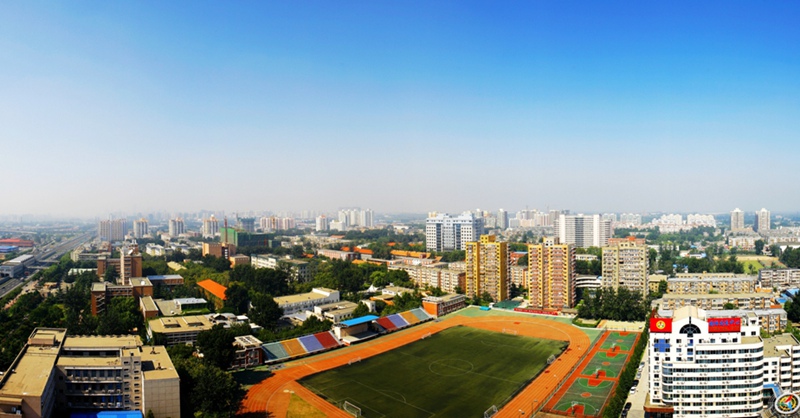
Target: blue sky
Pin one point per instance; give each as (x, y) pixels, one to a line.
(399, 106)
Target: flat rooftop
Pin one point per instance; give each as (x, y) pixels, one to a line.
(300, 297)
(771, 345)
(165, 277)
(148, 303)
(180, 324)
(156, 364)
(102, 342)
(717, 296)
(29, 376)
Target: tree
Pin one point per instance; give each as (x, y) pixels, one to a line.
(361, 310)
(728, 306)
(237, 298)
(265, 311)
(759, 247)
(150, 414)
(216, 345)
(523, 261)
(111, 274)
(206, 390)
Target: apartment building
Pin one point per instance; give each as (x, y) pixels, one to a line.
(551, 274)
(780, 279)
(444, 232)
(737, 220)
(583, 231)
(747, 301)
(701, 285)
(103, 292)
(439, 275)
(487, 268)
(625, 263)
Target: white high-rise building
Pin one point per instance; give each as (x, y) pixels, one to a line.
(140, 228)
(210, 227)
(176, 227)
(762, 221)
(632, 219)
(448, 233)
(583, 230)
(737, 220)
(112, 230)
(502, 219)
(717, 364)
(322, 223)
(366, 218)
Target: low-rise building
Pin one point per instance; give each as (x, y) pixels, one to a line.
(715, 301)
(103, 292)
(239, 260)
(184, 329)
(337, 255)
(248, 352)
(335, 312)
(99, 373)
(699, 285)
(214, 291)
(307, 301)
(780, 279)
(16, 267)
(437, 306)
(166, 280)
(434, 275)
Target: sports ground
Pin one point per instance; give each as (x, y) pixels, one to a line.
(273, 394)
(589, 387)
(472, 368)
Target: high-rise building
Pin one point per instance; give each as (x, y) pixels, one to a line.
(551, 274)
(583, 230)
(487, 268)
(447, 233)
(322, 223)
(275, 223)
(112, 230)
(210, 227)
(176, 227)
(737, 220)
(502, 219)
(717, 364)
(366, 218)
(140, 228)
(625, 263)
(247, 224)
(632, 219)
(762, 221)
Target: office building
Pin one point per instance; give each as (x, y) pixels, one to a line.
(140, 228)
(625, 263)
(448, 233)
(58, 374)
(762, 221)
(307, 301)
(737, 220)
(103, 292)
(210, 227)
(703, 364)
(487, 268)
(219, 250)
(128, 265)
(112, 230)
(437, 306)
(551, 273)
(583, 231)
(176, 227)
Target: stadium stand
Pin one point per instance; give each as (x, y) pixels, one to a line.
(398, 321)
(301, 346)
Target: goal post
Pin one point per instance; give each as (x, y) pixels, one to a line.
(351, 409)
(551, 359)
(509, 331)
(492, 411)
(353, 360)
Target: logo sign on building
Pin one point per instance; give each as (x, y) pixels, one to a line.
(660, 324)
(787, 404)
(724, 324)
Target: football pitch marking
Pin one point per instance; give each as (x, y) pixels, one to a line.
(458, 370)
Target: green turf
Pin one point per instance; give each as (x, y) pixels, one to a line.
(625, 343)
(612, 369)
(458, 372)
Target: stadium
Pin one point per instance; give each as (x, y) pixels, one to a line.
(384, 377)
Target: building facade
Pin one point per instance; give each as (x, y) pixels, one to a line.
(140, 228)
(551, 273)
(210, 227)
(112, 230)
(176, 227)
(737, 220)
(780, 279)
(762, 221)
(583, 231)
(487, 268)
(626, 264)
(444, 232)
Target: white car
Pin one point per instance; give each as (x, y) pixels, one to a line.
(633, 390)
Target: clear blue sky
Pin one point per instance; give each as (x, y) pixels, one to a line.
(399, 106)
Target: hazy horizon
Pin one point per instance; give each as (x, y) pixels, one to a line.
(399, 107)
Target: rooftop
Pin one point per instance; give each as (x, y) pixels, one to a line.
(165, 277)
(214, 288)
(30, 374)
(194, 323)
(95, 341)
(148, 303)
(156, 364)
(771, 345)
(300, 297)
(359, 320)
(716, 296)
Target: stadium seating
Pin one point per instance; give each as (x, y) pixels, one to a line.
(398, 321)
(421, 314)
(387, 324)
(296, 347)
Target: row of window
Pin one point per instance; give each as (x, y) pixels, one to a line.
(739, 351)
(718, 387)
(668, 380)
(713, 369)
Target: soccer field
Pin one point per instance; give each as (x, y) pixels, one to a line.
(459, 372)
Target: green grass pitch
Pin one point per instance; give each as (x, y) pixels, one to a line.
(458, 372)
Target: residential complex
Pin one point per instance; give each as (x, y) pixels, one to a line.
(140, 228)
(176, 227)
(625, 263)
(757, 300)
(779, 279)
(737, 220)
(444, 232)
(551, 274)
(583, 231)
(442, 275)
(487, 268)
(106, 373)
(210, 227)
(703, 285)
(112, 230)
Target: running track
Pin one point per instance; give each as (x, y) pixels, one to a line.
(271, 396)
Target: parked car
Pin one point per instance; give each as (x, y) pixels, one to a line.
(627, 407)
(633, 390)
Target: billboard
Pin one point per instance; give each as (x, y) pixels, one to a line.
(660, 324)
(724, 324)
(536, 311)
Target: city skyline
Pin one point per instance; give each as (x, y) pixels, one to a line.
(412, 107)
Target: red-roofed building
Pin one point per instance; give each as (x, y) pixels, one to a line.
(16, 242)
(213, 291)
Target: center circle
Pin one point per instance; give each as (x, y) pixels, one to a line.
(586, 395)
(451, 367)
